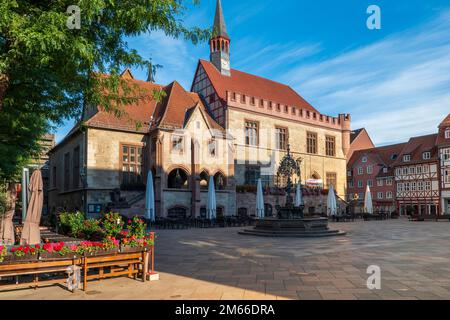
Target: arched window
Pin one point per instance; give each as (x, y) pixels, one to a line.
(223, 46)
(178, 179)
(214, 46)
(219, 181)
(204, 180)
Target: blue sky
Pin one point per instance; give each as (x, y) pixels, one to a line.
(395, 82)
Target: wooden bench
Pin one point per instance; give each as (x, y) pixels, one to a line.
(35, 269)
(130, 264)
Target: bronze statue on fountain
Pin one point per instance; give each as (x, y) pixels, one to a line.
(287, 168)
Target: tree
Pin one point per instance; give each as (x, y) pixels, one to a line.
(50, 71)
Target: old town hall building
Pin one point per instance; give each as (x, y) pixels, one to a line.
(231, 125)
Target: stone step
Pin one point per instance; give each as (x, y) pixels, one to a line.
(281, 234)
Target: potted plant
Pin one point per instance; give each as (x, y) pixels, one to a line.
(23, 254)
(89, 248)
(132, 239)
(110, 245)
(91, 230)
(57, 251)
(112, 224)
(3, 253)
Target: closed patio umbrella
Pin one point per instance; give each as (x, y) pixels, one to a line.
(30, 233)
(150, 199)
(368, 207)
(259, 201)
(211, 206)
(298, 196)
(6, 220)
(331, 202)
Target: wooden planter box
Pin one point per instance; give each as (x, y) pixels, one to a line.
(129, 249)
(102, 253)
(12, 259)
(53, 256)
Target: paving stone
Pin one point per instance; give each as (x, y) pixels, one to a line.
(220, 264)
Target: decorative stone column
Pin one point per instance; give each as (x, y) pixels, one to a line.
(159, 181)
(195, 178)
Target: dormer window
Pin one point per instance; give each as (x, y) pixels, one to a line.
(426, 155)
(447, 133)
(394, 156)
(385, 170)
(407, 158)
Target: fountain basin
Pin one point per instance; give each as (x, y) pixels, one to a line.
(296, 228)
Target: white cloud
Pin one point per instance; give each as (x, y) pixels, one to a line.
(396, 88)
(176, 56)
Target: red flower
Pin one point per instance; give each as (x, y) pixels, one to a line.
(48, 247)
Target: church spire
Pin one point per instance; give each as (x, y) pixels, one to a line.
(220, 43)
(219, 29)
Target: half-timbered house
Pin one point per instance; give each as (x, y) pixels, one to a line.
(417, 177)
(443, 143)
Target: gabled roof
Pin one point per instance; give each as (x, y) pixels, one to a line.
(253, 86)
(441, 140)
(383, 155)
(169, 112)
(177, 106)
(136, 116)
(416, 146)
(446, 122)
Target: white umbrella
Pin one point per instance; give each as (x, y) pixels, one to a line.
(298, 196)
(150, 199)
(368, 208)
(259, 201)
(331, 202)
(211, 206)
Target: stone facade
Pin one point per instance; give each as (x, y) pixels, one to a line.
(197, 163)
(313, 166)
(88, 165)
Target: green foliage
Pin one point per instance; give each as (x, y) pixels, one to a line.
(137, 227)
(3, 202)
(49, 72)
(112, 224)
(92, 230)
(72, 224)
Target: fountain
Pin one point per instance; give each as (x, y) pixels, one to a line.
(290, 220)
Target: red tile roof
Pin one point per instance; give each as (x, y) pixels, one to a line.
(441, 140)
(176, 107)
(253, 86)
(446, 122)
(169, 112)
(136, 116)
(416, 146)
(384, 155)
